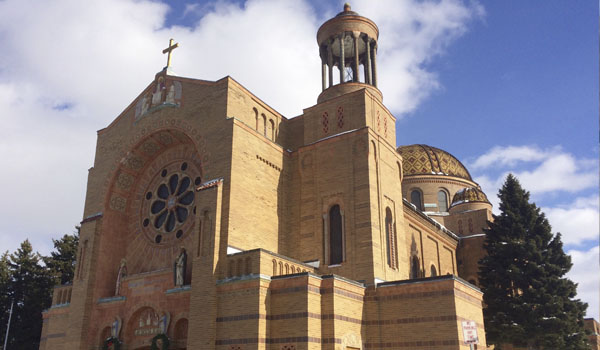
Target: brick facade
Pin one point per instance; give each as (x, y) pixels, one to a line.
(259, 230)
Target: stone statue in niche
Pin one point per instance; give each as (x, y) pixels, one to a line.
(145, 104)
(115, 327)
(157, 96)
(179, 268)
(121, 274)
(171, 95)
(163, 322)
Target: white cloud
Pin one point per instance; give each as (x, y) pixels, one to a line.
(577, 222)
(510, 156)
(411, 34)
(68, 67)
(553, 169)
(586, 272)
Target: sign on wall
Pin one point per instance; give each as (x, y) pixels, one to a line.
(470, 332)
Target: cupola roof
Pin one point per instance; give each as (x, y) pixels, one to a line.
(427, 160)
(468, 195)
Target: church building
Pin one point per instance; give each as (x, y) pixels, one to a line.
(211, 221)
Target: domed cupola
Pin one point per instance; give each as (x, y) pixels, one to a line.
(427, 160)
(348, 41)
(469, 198)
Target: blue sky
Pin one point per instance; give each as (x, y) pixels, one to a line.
(505, 86)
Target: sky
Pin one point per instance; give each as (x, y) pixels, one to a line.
(505, 86)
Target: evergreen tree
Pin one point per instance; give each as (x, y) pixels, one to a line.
(31, 287)
(5, 296)
(61, 261)
(528, 299)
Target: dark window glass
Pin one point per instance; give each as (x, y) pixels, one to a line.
(442, 201)
(414, 267)
(158, 238)
(170, 222)
(163, 191)
(183, 186)
(390, 241)
(433, 271)
(157, 207)
(182, 214)
(415, 198)
(173, 181)
(160, 220)
(335, 236)
(187, 198)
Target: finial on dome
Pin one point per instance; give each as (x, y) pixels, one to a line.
(347, 7)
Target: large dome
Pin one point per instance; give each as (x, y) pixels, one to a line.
(427, 160)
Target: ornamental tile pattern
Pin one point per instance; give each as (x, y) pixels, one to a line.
(427, 160)
(469, 194)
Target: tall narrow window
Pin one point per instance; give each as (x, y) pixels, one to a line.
(390, 239)
(82, 259)
(442, 201)
(272, 125)
(433, 271)
(415, 198)
(336, 239)
(256, 117)
(414, 267)
(264, 125)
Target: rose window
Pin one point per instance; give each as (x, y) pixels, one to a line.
(169, 203)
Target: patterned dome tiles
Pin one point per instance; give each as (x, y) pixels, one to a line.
(427, 160)
(469, 194)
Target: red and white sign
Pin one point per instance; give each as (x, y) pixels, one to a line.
(470, 332)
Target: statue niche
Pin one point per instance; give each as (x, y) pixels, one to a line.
(163, 93)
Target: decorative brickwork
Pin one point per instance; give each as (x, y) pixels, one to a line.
(241, 229)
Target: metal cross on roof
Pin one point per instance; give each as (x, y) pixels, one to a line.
(168, 50)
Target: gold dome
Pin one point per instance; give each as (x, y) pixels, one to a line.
(427, 160)
(469, 194)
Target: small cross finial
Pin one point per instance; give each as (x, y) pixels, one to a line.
(168, 50)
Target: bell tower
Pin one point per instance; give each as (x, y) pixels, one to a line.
(348, 41)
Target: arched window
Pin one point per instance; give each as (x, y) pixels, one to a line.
(256, 117)
(390, 239)
(415, 198)
(181, 331)
(442, 201)
(336, 238)
(264, 118)
(272, 124)
(433, 271)
(274, 267)
(414, 267)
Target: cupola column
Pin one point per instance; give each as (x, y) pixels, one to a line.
(324, 70)
(330, 62)
(368, 63)
(348, 41)
(355, 69)
(374, 58)
(342, 58)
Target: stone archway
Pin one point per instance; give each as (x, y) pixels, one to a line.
(150, 211)
(145, 323)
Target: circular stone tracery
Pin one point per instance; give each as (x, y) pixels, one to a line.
(169, 203)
